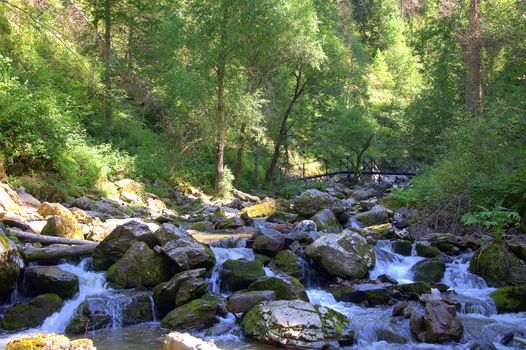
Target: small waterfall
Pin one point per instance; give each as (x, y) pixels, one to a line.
(90, 283)
(222, 255)
(392, 264)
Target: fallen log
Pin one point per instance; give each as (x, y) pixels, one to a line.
(54, 252)
(31, 237)
(245, 196)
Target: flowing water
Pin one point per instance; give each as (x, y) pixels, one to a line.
(374, 327)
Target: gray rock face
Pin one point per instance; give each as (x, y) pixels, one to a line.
(326, 221)
(115, 245)
(245, 301)
(269, 244)
(428, 270)
(49, 279)
(346, 255)
(10, 266)
(164, 294)
(376, 216)
(312, 201)
(295, 324)
(183, 249)
(190, 289)
(439, 323)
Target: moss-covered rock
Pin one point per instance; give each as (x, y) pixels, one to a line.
(32, 313)
(281, 217)
(498, 265)
(402, 247)
(427, 251)
(239, 274)
(260, 210)
(269, 244)
(383, 231)
(371, 295)
(346, 255)
(61, 222)
(312, 201)
(140, 266)
(190, 289)
(244, 301)
(10, 266)
(377, 216)
(50, 279)
(325, 220)
(49, 341)
(195, 315)
(414, 290)
(295, 324)
(428, 270)
(286, 262)
(510, 299)
(164, 294)
(285, 287)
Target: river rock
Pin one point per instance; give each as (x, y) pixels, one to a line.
(49, 341)
(427, 251)
(117, 243)
(312, 201)
(193, 316)
(164, 294)
(239, 274)
(510, 299)
(377, 216)
(285, 287)
(439, 323)
(183, 249)
(286, 262)
(190, 289)
(326, 221)
(269, 244)
(98, 311)
(243, 301)
(60, 221)
(498, 265)
(266, 208)
(295, 324)
(185, 341)
(402, 247)
(428, 270)
(368, 294)
(140, 266)
(32, 313)
(10, 265)
(413, 290)
(305, 232)
(50, 279)
(281, 217)
(346, 255)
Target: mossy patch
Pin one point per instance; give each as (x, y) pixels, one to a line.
(510, 299)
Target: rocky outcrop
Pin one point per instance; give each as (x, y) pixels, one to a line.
(286, 262)
(239, 274)
(428, 270)
(285, 287)
(183, 249)
(195, 315)
(164, 294)
(117, 243)
(244, 301)
(326, 221)
(439, 323)
(295, 324)
(498, 265)
(50, 341)
(312, 201)
(346, 255)
(510, 299)
(32, 313)
(10, 266)
(185, 341)
(49, 279)
(140, 266)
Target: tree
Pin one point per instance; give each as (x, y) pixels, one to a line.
(107, 65)
(473, 60)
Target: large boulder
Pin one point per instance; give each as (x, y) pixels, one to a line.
(185, 341)
(193, 316)
(510, 299)
(427, 251)
(269, 244)
(439, 324)
(164, 294)
(8, 199)
(244, 301)
(498, 265)
(49, 341)
(346, 255)
(285, 287)
(117, 243)
(32, 313)
(377, 216)
(60, 221)
(368, 294)
(140, 266)
(191, 289)
(295, 324)
(50, 279)
(260, 210)
(286, 262)
(98, 311)
(428, 270)
(304, 232)
(312, 201)
(183, 249)
(239, 274)
(10, 266)
(325, 220)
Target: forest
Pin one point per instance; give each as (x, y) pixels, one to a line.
(176, 152)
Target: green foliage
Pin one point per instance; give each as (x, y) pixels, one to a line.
(495, 220)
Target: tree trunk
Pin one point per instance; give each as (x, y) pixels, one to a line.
(256, 166)
(240, 150)
(32, 237)
(473, 60)
(129, 61)
(220, 147)
(298, 90)
(107, 63)
(91, 88)
(54, 252)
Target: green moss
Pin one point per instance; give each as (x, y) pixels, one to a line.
(32, 313)
(4, 241)
(260, 210)
(427, 251)
(510, 299)
(288, 263)
(286, 287)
